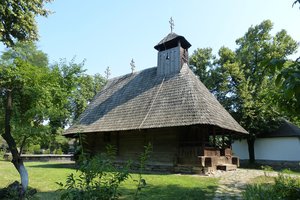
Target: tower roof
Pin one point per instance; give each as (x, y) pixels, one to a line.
(171, 40)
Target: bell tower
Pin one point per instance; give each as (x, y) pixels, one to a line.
(172, 53)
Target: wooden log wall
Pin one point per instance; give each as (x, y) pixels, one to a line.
(171, 146)
(130, 144)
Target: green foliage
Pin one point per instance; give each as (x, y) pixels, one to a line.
(58, 151)
(18, 20)
(160, 186)
(287, 171)
(76, 90)
(57, 144)
(98, 179)
(289, 82)
(34, 149)
(244, 80)
(202, 62)
(55, 94)
(267, 169)
(12, 192)
(259, 192)
(285, 187)
(42, 97)
(144, 157)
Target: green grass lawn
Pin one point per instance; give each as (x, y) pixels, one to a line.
(43, 175)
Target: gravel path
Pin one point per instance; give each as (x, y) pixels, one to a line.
(232, 183)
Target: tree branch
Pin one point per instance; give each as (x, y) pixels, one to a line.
(22, 144)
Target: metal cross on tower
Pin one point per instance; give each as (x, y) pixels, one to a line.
(171, 24)
(132, 64)
(107, 72)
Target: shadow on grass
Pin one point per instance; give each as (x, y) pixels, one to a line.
(170, 192)
(55, 165)
(152, 193)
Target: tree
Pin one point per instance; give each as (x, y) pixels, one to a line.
(22, 89)
(78, 87)
(31, 93)
(289, 81)
(202, 62)
(17, 20)
(244, 80)
(87, 88)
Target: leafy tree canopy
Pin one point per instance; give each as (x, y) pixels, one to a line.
(244, 80)
(17, 20)
(32, 93)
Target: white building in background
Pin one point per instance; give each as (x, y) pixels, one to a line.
(282, 144)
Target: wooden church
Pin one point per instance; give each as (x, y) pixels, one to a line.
(167, 106)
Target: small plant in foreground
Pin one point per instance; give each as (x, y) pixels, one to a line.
(143, 159)
(14, 192)
(98, 178)
(267, 169)
(287, 171)
(259, 192)
(285, 187)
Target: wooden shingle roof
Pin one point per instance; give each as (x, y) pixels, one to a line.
(144, 100)
(286, 129)
(171, 40)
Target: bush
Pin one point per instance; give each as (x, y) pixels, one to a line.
(2, 152)
(58, 151)
(285, 187)
(14, 192)
(34, 149)
(141, 183)
(98, 179)
(47, 151)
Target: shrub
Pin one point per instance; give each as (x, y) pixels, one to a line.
(285, 187)
(259, 192)
(34, 149)
(287, 171)
(58, 151)
(2, 152)
(47, 151)
(14, 192)
(141, 183)
(267, 169)
(98, 178)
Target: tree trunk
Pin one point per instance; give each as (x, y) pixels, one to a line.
(250, 142)
(16, 158)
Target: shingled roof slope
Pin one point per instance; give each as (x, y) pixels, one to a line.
(171, 40)
(145, 100)
(286, 129)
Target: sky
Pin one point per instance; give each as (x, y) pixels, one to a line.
(111, 33)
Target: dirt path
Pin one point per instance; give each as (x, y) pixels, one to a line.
(232, 183)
